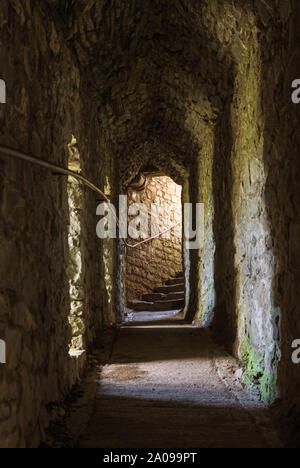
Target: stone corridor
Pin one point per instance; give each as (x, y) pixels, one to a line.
(165, 386)
(190, 105)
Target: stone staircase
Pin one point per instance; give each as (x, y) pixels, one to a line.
(169, 297)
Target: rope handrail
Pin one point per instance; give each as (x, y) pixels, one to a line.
(67, 172)
(154, 237)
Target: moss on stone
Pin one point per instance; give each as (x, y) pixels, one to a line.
(259, 382)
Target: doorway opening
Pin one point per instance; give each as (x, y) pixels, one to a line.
(154, 264)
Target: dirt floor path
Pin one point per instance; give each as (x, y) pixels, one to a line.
(168, 387)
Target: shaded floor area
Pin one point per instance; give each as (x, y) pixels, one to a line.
(153, 318)
(165, 387)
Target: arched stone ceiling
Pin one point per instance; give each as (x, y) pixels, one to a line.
(156, 67)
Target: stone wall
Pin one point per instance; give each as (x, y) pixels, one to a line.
(255, 168)
(42, 113)
(281, 147)
(235, 270)
(153, 263)
(257, 316)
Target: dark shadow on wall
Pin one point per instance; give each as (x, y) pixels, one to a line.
(194, 298)
(224, 324)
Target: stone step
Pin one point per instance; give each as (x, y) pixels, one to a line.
(170, 289)
(141, 306)
(173, 281)
(171, 296)
(152, 297)
(168, 305)
(163, 297)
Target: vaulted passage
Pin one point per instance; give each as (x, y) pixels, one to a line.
(149, 223)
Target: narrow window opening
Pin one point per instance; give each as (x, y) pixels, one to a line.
(75, 268)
